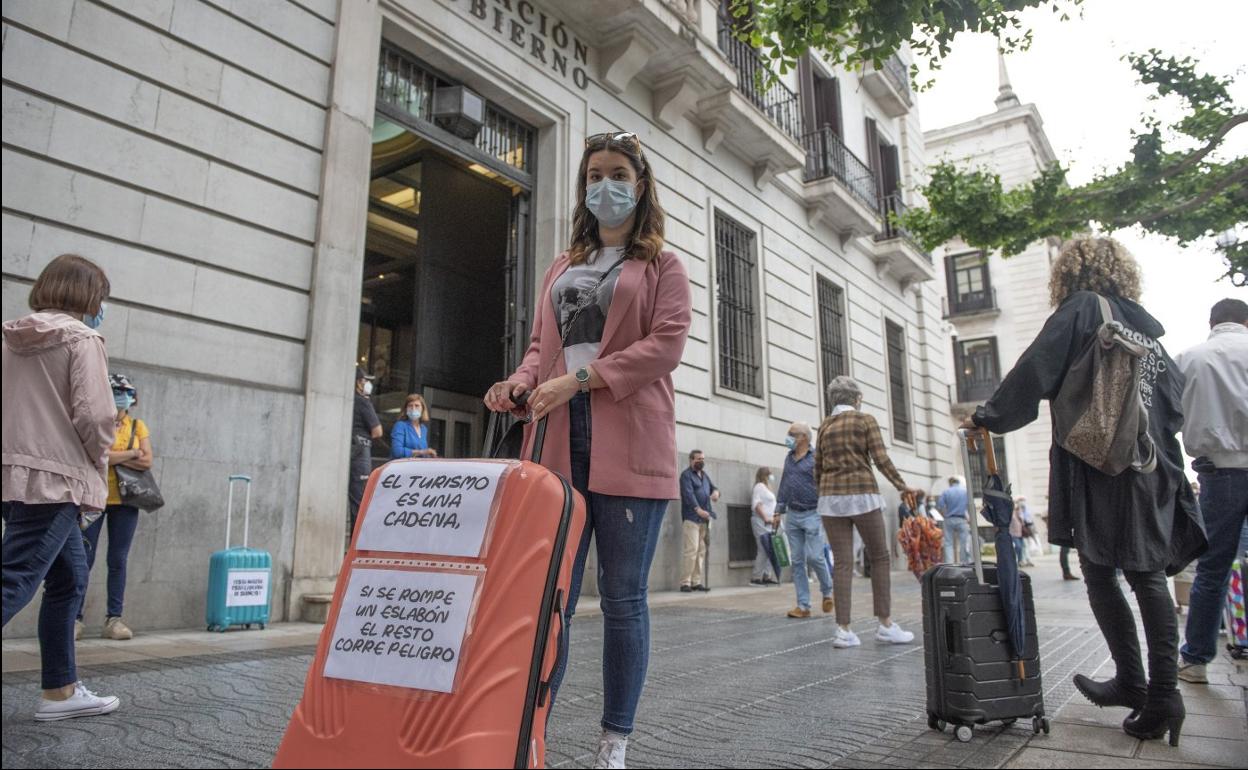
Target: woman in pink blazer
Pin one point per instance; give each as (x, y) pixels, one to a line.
(610, 329)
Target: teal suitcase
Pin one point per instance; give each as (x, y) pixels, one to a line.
(240, 580)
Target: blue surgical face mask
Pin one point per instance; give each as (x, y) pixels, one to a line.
(790, 442)
(611, 201)
(123, 400)
(94, 321)
(413, 414)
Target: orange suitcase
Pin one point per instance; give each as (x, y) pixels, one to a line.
(395, 682)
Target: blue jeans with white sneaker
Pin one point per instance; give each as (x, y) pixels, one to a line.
(626, 533)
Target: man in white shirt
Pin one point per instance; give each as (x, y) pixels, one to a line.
(1215, 432)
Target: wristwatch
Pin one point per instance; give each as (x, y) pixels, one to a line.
(582, 379)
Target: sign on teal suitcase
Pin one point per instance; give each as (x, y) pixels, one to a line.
(240, 584)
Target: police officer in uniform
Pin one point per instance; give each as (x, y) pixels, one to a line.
(365, 428)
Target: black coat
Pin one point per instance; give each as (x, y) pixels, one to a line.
(1133, 521)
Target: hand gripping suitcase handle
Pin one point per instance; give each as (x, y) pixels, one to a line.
(539, 435)
(229, 508)
(990, 451)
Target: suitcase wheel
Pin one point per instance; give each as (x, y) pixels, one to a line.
(1045, 724)
(1038, 724)
(964, 733)
(247, 626)
(261, 626)
(936, 724)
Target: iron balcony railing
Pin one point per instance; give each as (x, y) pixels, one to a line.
(972, 302)
(899, 76)
(976, 387)
(891, 207)
(827, 156)
(774, 99)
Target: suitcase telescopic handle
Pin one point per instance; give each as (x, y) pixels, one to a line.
(968, 439)
(229, 507)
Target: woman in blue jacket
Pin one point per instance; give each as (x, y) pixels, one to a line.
(410, 436)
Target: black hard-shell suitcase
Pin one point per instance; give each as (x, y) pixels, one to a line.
(972, 675)
(972, 678)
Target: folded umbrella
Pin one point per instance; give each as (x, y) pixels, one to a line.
(998, 510)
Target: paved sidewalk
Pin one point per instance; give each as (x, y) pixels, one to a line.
(732, 684)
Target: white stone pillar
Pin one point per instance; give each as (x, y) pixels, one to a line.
(334, 315)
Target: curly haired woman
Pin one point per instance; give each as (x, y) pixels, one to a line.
(1143, 523)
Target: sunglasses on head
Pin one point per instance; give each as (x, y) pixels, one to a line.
(623, 137)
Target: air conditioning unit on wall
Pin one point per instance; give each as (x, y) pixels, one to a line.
(459, 111)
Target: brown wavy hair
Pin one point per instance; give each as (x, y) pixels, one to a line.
(646, 240)
(1102, 265)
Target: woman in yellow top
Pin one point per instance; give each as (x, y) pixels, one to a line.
(132, 448)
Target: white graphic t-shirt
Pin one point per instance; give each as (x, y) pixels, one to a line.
(575, 288)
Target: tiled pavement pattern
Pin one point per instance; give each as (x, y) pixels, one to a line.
(731, 684)
(729, 689)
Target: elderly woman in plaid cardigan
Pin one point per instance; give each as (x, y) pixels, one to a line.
(849, 442)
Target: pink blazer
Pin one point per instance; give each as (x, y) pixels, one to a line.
(634, 418)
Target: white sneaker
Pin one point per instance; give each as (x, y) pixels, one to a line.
(845, 639)
(611, 748)
(893, 634)
(83, 703)
(1193, 672)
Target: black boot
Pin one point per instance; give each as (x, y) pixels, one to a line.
(1163, 712)
(1163, 708)
(1113, 615)
(1112, 693)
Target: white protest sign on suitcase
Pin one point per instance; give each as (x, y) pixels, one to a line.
(401, 627)
(431, 507)
(247, 588)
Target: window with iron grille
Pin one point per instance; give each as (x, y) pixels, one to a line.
(833, 350)
(739, 333)
(977, 474)
(898, 388)
(742, 545)
(978, 370)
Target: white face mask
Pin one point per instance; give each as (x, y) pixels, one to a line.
(771, 479)
(413, 414)
(611, 201)
(368, 388)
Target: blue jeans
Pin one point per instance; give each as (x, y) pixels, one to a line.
(626, 530)
(1224, 504)
(957, 526)
(44, 543)
(805, 532)
(123, 520)
(1020, 550)
(765, 546)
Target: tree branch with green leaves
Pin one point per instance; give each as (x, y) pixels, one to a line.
(860, 32)
(1177, 182)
